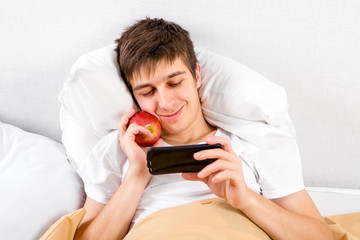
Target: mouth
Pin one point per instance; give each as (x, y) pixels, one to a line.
(171, 117)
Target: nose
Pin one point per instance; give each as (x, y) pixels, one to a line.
(165, 99)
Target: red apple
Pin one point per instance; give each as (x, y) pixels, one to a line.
(150, 122)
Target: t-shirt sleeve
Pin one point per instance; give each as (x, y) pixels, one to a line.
(279, 167)
(103, 170)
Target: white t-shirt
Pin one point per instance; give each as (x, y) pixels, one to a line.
(107, 165)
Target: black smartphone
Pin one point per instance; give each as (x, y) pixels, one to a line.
(177, 159)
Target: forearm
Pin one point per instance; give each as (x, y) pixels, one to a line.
(114, 220)
(280, 223)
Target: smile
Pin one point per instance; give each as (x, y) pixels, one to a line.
(171, 117)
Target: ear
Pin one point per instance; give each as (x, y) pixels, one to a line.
(198, 75)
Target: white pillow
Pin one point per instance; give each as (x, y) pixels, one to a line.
(233, 97)
(37, 184)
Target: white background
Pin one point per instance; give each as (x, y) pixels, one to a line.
(312, 48)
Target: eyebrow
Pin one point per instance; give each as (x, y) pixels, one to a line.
(167, 77)
(175, 74)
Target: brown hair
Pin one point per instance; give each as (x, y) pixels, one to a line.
(147, 42)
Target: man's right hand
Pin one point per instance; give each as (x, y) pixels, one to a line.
(135, 154)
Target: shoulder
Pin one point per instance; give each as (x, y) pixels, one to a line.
(223, 133)
(242, 148)
(234, 140)
(103, 170)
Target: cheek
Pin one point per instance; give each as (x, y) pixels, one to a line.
(146, 105)
(186, 94)
(192, 95)
(182, 95)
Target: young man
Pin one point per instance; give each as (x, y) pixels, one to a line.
(159, 66)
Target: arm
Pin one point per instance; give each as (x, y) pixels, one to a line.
(291, 217)
(112, 221)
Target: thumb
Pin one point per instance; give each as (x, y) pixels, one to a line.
(158, 143)
(190, 176)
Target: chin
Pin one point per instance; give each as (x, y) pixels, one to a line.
(173, 130)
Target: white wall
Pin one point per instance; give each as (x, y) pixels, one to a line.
(312, 48)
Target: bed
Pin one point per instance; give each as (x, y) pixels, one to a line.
(303, 55)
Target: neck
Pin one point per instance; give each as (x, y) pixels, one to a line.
(196, 133)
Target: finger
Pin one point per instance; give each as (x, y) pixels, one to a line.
(224, 176)
(225, 142)
(137, 129)
(213, 153)
(158, 143)
(124, 121)
(218, 165)
(192, 176)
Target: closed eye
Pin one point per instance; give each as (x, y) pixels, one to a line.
(148, 93)
(175, 84)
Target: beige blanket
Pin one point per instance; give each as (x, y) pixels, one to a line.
(345, 226)
(216, 219)
(206, 219)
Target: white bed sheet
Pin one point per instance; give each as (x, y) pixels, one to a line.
(334, 201)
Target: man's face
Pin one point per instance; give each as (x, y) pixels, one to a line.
(170, 93)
